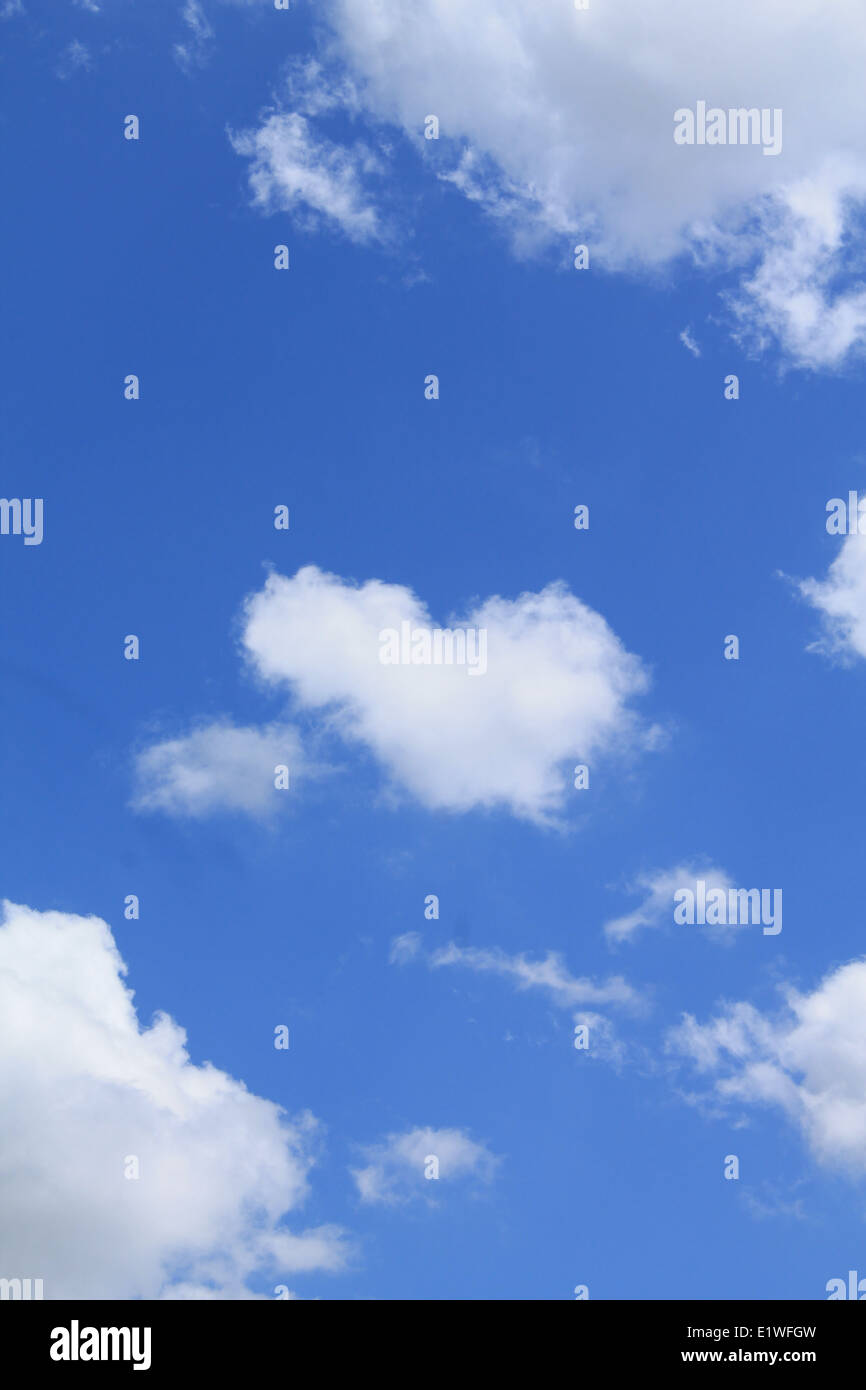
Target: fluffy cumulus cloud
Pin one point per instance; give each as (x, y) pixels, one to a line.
(559, 122)
(83, 1089)
(555, 687)
(809, 1061)
(806, 291)
(218, 767)
(656, 907)
(402, 1166)
(841, 601)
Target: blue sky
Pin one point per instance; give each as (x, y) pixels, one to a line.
(306, 388)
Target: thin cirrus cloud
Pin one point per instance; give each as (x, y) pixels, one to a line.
(688, 342)
(75, 58)
(394, 1170)
(195, 48)
(807, 1061)
(549, 974)
(84, 1088)
(558, 123)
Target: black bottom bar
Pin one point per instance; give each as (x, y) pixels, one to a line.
(164, 1339)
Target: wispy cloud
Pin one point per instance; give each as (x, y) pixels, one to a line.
(295, 169)
(412, 1165)
(550, 973)
(195, 50)
(840, 598)
(808, 1060)
(219, 767)
(657, 904)
(74, 58)
(688, 342)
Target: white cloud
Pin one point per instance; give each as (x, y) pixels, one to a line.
(218, 767)
(809, 1061)
(557, 688)
(770, 1204)
(293, 169)
(657, 907)
(841, 601)
(83, 1086)
(798, 295)
(576, 109)
(405, 948)
(74, 58)
(395, 1168)
(550, 973)
(195, 51)
(688, 342)
(560, 123)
